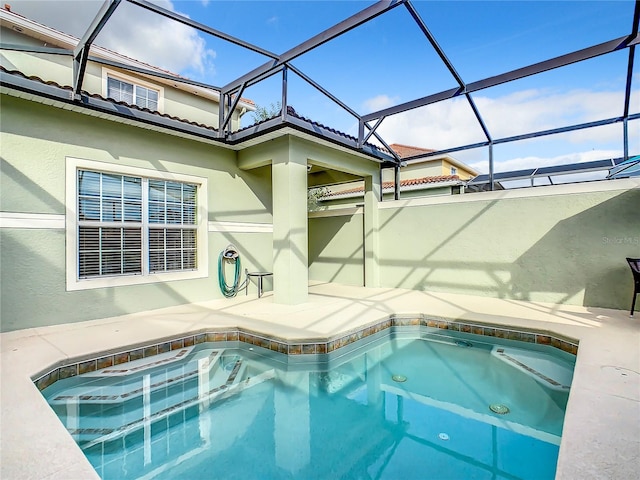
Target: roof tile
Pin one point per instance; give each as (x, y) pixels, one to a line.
(108, 99)
(403, 183)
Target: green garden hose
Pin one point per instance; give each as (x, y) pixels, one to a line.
(229, 290)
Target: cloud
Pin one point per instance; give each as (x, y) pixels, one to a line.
(452, 123)
(441, 125)
(156, 40)
(533, 161)
(272, 20)
(379, 102)
(534, 110)
(131, 31)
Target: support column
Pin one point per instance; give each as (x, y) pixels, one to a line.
(371, 227)
(290, 244)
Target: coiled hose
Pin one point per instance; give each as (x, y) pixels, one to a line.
(229, 290)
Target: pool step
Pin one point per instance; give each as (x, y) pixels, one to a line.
(542, 367)
(88, 437)
(101, 393)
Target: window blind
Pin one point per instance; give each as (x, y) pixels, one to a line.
(134, 225)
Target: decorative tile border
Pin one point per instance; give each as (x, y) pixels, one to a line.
(307, 347)
(109, 371)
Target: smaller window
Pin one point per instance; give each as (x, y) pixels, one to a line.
(131, 93)
(454, 171)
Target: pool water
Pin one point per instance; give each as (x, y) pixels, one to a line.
(404, 406)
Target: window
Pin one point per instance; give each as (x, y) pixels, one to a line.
(132, 94)
(131, 227)
(454, 171)
(109, 224)
(172, 226)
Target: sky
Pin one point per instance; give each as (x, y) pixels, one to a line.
(389, 61)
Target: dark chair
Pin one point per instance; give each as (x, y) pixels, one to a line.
(634, 263)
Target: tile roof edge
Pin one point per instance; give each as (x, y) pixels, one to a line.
(403, 183)
(68, 88)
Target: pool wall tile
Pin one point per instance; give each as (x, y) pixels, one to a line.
(150, 351)
(119, 358)
(136, 354)
(514, 335)
(68, 371)
(48, 379)
(104, 362)
(311, 347)
(543, 339)
(501, 333)
(86, 367)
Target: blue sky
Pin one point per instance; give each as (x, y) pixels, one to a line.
(389, 61)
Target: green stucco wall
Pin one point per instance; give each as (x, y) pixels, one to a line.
(567, 248)
(35, 141)
(336, 252)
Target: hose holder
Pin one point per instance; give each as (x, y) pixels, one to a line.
(229, 254)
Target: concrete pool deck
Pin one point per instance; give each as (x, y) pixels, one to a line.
(601, 437)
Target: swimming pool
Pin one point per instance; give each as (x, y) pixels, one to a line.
(406, 404)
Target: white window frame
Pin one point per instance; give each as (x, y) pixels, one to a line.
(71, 224)
(107, 72)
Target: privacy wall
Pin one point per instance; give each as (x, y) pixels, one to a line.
(558, 244)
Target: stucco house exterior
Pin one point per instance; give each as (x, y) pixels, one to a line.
(422, 176)
(119, 191)
(433, 166)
